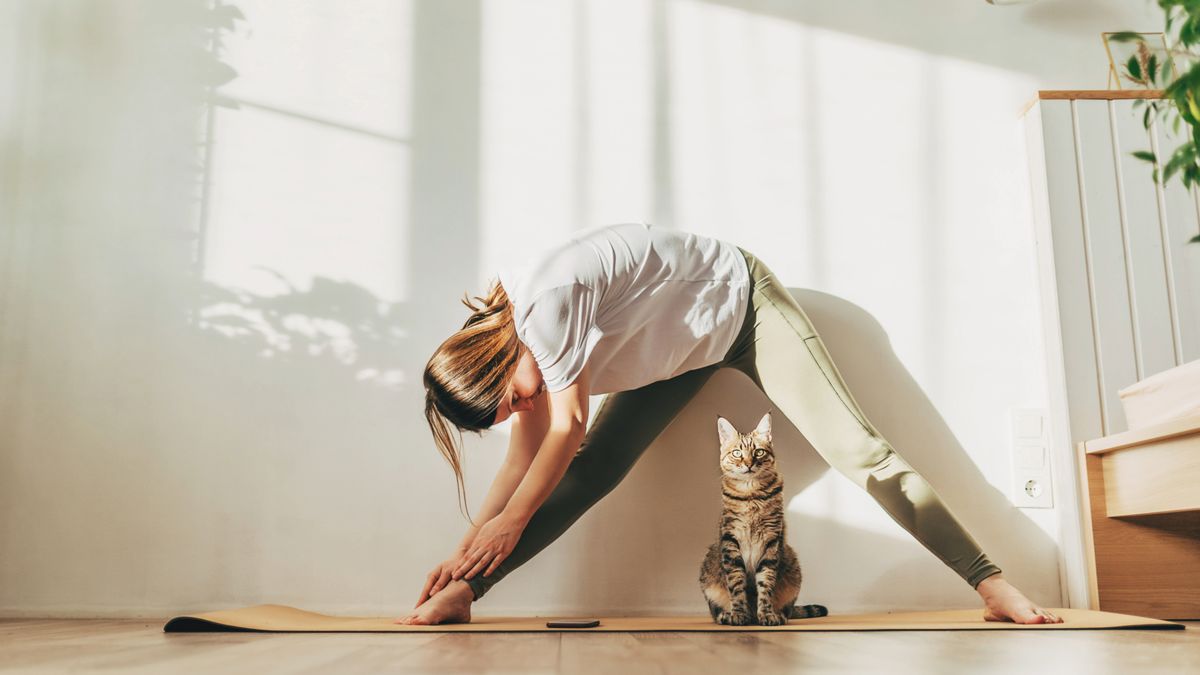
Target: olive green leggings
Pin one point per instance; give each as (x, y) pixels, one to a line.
(780, 351)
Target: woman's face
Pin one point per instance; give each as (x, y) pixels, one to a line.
(523, 389)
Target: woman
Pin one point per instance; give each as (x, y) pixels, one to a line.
(645, 315)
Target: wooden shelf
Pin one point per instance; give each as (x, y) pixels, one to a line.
(1142, 519)
(1098, 94)
(1152, 470)
(1183, 426)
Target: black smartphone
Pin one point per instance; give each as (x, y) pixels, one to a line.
(573, 623)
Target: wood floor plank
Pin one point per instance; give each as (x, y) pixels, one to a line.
(604, 653)
(479, 652)
(737, 649)
(865, 651)
(314, 654)
(70, 629)
(675, 653)
(374, 656)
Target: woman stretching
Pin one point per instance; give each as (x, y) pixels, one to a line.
(645, 315)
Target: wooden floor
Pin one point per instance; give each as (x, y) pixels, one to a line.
(131, 646)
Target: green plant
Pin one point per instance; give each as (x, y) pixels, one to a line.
(1177, 71)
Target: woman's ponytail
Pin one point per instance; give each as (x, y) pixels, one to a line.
(468, 374)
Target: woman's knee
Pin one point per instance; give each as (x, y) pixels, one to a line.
(862, 459)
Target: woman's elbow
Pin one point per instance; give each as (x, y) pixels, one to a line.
(572, 428)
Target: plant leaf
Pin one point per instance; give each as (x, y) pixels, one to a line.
(1124, 36)
(1181, 107)
(1183, 156)
(1146, 155)
(1168, 171)
(1134, 68)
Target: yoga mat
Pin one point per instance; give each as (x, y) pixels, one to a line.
(281, 619)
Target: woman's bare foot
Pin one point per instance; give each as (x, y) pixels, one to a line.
(452, 604)
(1003, 602)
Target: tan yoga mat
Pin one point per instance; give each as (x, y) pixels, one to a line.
(281, 619)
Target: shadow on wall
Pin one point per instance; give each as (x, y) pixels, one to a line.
(332, 321)
(326, 395)
(666, 511)
(306, 395)
(187, 444)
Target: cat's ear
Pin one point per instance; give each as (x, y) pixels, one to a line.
(725, 431)
(764, 427)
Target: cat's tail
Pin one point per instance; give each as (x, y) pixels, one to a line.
(807, 611)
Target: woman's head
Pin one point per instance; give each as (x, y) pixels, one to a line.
(477, 377)
(467, 375)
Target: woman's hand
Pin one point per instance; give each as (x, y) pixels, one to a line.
(440, 576)
(494, 541)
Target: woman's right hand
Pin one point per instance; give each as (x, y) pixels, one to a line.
(440, 576)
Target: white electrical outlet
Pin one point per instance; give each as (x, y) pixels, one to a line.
(1031, 486)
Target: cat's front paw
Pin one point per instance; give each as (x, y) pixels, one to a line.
(740, 618)
(769, 617)
(734, 618)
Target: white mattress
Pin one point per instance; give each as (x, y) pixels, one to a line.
(1159, 398)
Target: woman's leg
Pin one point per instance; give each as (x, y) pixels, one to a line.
(788, 361)
(624, 426)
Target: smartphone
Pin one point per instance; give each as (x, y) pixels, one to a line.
(573, 623)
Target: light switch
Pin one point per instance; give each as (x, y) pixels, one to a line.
(1031, 456)
(1031, 459)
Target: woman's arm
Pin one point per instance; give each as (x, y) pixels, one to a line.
(567, 424)
(529, 428)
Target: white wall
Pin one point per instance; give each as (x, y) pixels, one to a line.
(213, 319)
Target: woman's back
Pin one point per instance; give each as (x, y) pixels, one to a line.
(639, 303)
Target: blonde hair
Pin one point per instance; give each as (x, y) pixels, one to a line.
(467, 375)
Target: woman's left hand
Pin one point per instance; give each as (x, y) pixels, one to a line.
(492, 544)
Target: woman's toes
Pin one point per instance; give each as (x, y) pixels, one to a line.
(1049, 617)
(1028, 616)
(412, 620)
(1021, 615)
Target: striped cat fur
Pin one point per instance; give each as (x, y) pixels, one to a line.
(750, 575)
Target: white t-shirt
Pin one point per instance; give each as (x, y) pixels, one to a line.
(637, 303)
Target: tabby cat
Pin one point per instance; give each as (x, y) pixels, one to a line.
(750, 574)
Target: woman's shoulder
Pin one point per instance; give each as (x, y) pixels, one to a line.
(597, 257)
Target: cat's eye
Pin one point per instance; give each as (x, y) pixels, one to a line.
(759, 452)
(736, 453)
